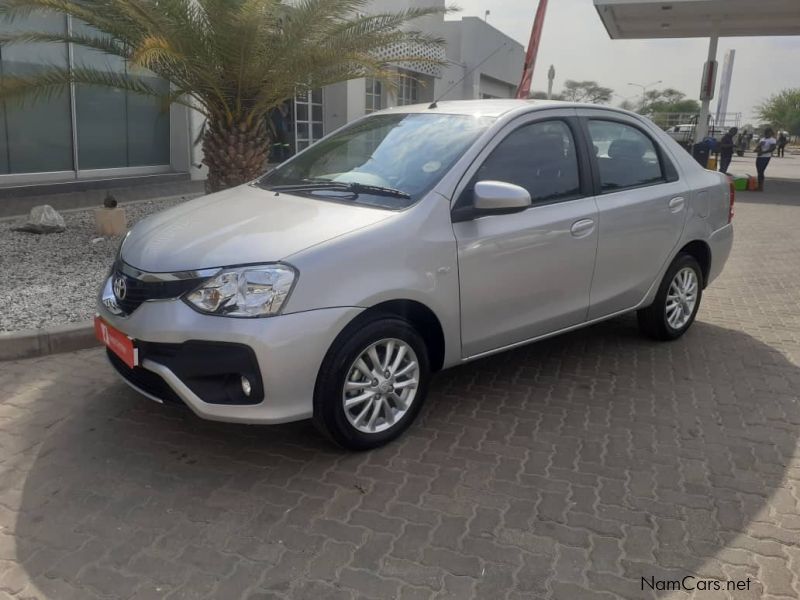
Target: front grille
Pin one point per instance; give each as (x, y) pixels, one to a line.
(145, 380)
(138, 291)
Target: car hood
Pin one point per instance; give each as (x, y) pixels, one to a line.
(242, 225)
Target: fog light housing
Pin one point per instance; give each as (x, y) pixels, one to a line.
(246, 387)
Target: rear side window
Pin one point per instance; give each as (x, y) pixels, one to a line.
(540, 157)
(626, 157)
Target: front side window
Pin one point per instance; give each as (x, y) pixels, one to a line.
(626, 157)
(387, 160)
(540, 157)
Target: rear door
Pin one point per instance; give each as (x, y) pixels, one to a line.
(642, 206)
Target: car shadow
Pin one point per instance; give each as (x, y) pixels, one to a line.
(660, 455)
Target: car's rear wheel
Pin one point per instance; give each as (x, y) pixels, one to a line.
(372, 383)
(677, 301)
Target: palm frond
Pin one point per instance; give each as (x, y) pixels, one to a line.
(234, 58)
(53, 81)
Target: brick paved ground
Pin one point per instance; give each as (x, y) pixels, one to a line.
(565, 470)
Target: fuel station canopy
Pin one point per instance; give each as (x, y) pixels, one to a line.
(649, 19)
(653, 19)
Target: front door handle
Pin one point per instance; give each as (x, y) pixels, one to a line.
(582, 228)
(676, 204)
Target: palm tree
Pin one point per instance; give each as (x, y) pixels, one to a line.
(231, 60)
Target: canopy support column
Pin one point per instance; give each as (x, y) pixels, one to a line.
(708, 86)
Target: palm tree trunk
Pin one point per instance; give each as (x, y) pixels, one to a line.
(234, 154)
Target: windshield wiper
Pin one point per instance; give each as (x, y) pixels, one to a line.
(336, 186)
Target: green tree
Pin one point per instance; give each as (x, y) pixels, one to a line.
(586, 91)
(669, 100)
(782, 110)
(232, 60)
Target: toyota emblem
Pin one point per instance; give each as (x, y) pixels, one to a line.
(120, 287)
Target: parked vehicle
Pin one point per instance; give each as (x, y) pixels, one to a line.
(684, 134)
(412, 240)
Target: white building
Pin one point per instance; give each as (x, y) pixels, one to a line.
(94, 134)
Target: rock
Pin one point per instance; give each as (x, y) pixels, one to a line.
(43, 219)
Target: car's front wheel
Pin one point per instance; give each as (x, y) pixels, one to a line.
(372, 383)
(677, 300)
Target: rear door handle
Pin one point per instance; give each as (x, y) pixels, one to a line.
(676, 204)
(582, 228)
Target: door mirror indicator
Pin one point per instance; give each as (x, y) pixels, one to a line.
(499, 196)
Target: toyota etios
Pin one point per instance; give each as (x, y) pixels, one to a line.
(409, 241)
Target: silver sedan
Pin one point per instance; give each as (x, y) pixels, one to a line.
(410, 241)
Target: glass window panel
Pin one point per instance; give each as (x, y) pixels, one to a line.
(316, 113)
(102, 127)
(316, 96)
(302, 130)
(302, 112)
(626, 157)
(117, 128)
(540, 157)
(148, 127)
(317, 131)
(101, 113)
(36, 135)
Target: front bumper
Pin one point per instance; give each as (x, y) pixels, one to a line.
(287, 349)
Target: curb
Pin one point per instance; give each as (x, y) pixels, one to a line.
(49, 340)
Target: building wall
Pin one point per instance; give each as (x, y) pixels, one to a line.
(470, 41)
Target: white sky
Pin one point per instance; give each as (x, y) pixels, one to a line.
(577, 44)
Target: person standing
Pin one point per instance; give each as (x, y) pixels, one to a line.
(766, 146)
(726, 147)
(782, 141)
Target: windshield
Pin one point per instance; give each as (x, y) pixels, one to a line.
(388, 160)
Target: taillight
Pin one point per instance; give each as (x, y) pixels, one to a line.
(733, 200)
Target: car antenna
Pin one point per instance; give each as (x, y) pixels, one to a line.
(435, 103)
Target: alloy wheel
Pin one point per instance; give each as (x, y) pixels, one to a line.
(381, 385)
(681, 298)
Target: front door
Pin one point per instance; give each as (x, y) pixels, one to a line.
(527, 274)
(642, 209)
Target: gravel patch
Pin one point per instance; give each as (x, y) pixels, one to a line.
(53, 279)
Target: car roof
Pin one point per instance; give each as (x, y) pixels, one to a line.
(488, 108)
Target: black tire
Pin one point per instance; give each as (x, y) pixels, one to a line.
(653, 319)
(329, 411)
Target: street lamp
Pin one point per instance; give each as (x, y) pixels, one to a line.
(486, 16)
(644, 90)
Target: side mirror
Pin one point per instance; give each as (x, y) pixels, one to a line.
(499, 196)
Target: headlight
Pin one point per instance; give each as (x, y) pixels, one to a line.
(257, 291)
